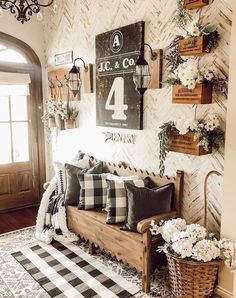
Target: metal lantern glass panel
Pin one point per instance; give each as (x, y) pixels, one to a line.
(74, 82)
(24, 9)
(142, 76)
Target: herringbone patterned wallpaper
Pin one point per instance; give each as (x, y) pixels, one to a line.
(74, 28)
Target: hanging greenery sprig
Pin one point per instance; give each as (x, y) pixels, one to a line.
(182, 16)
(163, 136)
(173, 58)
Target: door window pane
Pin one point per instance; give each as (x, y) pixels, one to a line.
(19, 108)
(5, 143)
(12, 56)
(20, 137)
(4, 109)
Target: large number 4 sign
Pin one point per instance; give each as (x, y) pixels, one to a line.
(117, 91)
(118, 103)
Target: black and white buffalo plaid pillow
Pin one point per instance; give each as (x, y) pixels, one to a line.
(116, 206)
(93, 192)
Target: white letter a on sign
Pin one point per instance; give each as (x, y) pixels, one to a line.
(116, 41)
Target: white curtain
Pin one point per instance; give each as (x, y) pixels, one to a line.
(14, 84)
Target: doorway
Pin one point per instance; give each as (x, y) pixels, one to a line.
(22, 158)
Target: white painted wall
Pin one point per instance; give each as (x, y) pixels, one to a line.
(30, 32)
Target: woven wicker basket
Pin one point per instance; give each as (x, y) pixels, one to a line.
(190, 279)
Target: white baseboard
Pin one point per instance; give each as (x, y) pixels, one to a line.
(223, 292)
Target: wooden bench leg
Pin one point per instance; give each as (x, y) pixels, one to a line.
(146, 272)
(92, 248)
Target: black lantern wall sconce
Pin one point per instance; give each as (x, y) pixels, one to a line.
(142, 76)
(74, 81)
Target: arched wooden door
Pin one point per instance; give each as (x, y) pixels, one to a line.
(22, 161)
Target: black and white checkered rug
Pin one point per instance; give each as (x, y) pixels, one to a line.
(64, 270)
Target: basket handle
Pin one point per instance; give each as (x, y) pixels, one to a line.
(205, 194)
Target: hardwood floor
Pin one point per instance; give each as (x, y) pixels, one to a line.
(18, 219)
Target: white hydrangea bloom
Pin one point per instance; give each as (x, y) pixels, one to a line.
(193, 125)
(188, 74)
(196, 231)
(193, 28)
(212, 122)
(200, 78)
(192, 84)
(226, 244)
(183, 125)
(179, 235)
(183, 247)
(208, 75)
(172, 226)
(205, 250)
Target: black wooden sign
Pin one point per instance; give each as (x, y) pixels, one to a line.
(118, 103)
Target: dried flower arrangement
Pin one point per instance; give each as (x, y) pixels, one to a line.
(207, 130)
(193, 242)
(189, 75)
(193, 28)
(58, 110)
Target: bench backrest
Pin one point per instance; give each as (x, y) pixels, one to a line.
(123, 170)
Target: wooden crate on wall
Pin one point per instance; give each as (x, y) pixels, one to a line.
(201, 94)
(193, 4)
(193, 46)
(186, 144)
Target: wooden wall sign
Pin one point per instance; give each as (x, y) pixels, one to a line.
(202, 94)
(186, 144)
(118, 103)
(193, 46)
(193, 4)
(64, 58)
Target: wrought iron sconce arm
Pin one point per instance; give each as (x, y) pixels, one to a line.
(85, 66)
(153, 54)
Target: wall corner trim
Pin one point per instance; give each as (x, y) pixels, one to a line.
(223, 292)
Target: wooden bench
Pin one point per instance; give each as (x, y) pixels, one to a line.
(138, 250)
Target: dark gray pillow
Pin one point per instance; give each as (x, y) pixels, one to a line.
(144, 202)
(72, 192)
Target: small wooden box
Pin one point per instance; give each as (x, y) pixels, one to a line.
(202, 94)
(186, 144)
(193, 4)
(194, 46)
